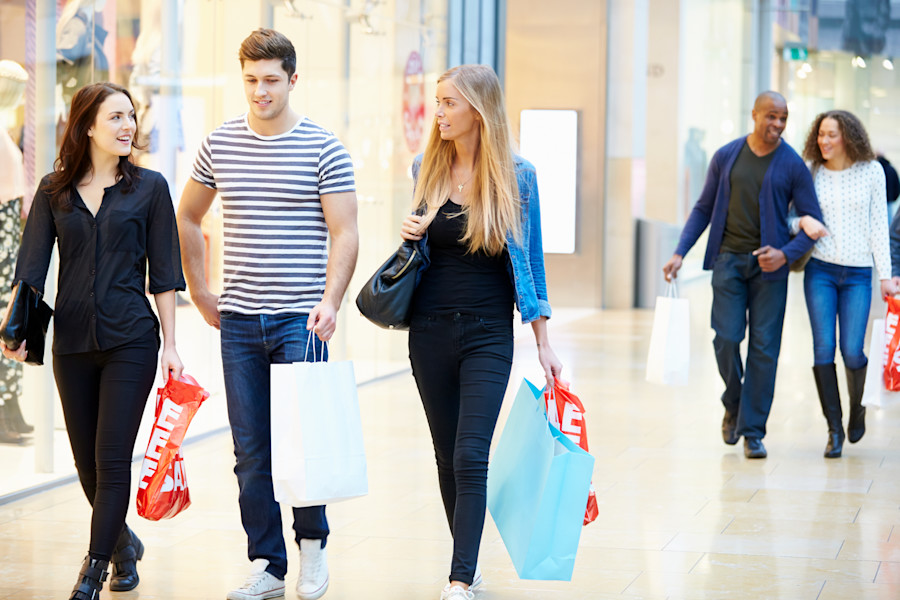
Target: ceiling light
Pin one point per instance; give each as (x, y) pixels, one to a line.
(888, 63)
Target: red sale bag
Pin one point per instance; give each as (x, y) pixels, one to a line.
(891, 359)
(566, 412)
(162, 490)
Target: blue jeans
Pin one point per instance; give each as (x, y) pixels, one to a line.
(250, 343)
(741, 297)
(461, 364)
(842, 294)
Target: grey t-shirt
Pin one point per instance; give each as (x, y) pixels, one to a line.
(742, 223)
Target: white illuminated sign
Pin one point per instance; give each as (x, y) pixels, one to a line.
(549, 140)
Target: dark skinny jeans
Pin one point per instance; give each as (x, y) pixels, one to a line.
(103, 394)
(461, 364)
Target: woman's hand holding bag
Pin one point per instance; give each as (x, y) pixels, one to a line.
(25, 325)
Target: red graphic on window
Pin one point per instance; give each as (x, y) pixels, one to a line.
(413, 101)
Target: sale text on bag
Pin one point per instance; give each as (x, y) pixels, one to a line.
(159, 438)
(570, 423)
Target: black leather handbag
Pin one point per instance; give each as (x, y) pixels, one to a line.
(386, 299)
(27, 321)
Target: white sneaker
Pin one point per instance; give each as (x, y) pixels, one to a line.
(456, 593)
(477, 581)
(313, 581)
(260, 584)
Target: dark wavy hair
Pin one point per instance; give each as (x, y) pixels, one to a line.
(266, 44)
(74, 160)
(856, 140)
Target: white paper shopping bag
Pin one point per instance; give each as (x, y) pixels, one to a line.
(669, 357)
(875, 394)
(318, 455)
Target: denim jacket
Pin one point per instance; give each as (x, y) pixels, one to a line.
(526, 260)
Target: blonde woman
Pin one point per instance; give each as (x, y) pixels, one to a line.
(478, 223)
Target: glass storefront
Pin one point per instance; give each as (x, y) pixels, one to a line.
(821, 55)
(366, 68)
(716, 41)
(840, 55)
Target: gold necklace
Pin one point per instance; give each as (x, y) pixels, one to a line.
(460, 186)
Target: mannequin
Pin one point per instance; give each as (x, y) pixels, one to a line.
(79, 47)
(12, 188)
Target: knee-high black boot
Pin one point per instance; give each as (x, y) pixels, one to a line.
(129, 550)
(90, 579)
(856, 385)
(830, 398)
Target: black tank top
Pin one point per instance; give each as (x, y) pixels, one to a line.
(460, 281)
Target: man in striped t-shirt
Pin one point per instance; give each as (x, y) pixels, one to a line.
(286, 185)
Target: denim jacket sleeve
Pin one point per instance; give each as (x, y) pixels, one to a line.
(527, 260)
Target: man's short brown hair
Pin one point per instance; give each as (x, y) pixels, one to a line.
(266, 44)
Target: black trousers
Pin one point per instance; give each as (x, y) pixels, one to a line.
(461, 364)
(103, 396)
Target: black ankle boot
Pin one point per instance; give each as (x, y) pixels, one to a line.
(856, 385)
(90, 579)
(129, 550)
(16, 420)
(830, 399)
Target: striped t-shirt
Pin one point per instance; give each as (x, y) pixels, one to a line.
(275, 232)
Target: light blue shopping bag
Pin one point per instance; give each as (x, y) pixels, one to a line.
(538, 485)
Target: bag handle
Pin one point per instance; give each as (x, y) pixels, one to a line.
(309, 340)
(672, 289)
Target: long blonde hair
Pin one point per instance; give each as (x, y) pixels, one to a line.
(492, 206)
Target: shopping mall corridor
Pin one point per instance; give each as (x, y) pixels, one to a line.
(682, 516)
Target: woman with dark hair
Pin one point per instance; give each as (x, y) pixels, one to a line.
(109, 219)
(838, 278)
(478, 223)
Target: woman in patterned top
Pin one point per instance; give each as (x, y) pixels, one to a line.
(838, 278)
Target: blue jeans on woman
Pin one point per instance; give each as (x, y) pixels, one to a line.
(842, 294)
(250, 343)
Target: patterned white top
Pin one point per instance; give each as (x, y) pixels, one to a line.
(852, 202)
(275, 231)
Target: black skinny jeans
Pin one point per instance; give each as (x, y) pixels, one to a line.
(461, 364)
(103, 396)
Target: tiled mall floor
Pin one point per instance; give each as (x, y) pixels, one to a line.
(682, 516)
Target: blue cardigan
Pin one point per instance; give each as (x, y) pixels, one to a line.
(787, 179)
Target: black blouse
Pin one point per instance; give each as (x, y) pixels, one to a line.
(100, 299)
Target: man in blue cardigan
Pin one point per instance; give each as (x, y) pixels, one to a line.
(749, 188)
